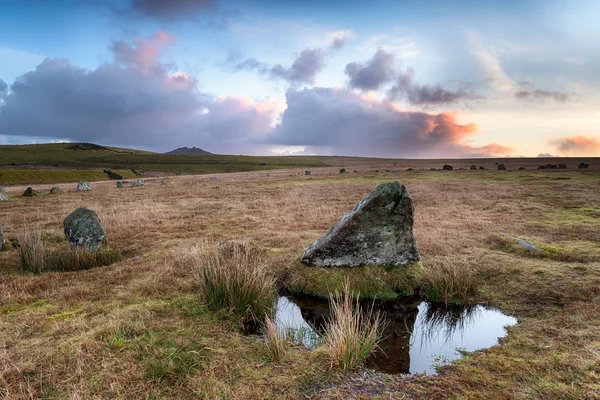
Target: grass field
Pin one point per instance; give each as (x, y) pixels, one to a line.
(138, 329)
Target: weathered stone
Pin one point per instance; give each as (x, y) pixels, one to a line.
(343, 171)
(377, 232)
(55, 190)
(83, 186)
(1, 238)
(581, 166)
(473, 167)
(525, 244)
(3, 195)
(306, 172)
(119, 185)
(355, 171)
(410, 169)
(267, 174)
(29, 192)
(138, 182)
(522, 168)
(214, 178)
(447, 167)
(83, 229)
(501, 167)
(482, 167)
(163, 182)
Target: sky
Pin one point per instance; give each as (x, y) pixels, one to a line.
(404, 79)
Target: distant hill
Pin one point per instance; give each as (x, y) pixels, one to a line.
(188, 150)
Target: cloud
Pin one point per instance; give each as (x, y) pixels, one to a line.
(339, 39)
(3, 89)
(133, 101)
(425, 95)
(577, 145)
(172, 9)
(303, 70)
(542, 95)
(340, 121)
(143, 53)
(374, 73)
(490, 63)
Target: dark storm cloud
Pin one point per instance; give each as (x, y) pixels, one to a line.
(171, 9)
(350, 124)
(135, 101)
(303, 70)
(371, 75)
(543, 95)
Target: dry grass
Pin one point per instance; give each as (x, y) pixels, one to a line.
(136, 329)
(32, 253)
(449, 281)
(352, 334)
(233, 279)
(275, 340)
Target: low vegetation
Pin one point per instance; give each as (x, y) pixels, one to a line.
(449, 281)
(369, 282)
(352, 334)
(233, 279)
(35, 257)
(275, 340)
(140, 328)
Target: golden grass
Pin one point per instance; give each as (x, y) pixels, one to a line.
(447, 281)
(352, 334)
(105, 332)
(275, 340)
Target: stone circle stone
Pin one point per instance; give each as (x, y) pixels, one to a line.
(83, 229)
(3, 195)
(501, 167)
(83, 186)
(29, 192)
(583, 165)
(55, 190)
(163, 182)
(119, 185)
(138, 182)
(306, 172)
(447, 167)
(377, 232)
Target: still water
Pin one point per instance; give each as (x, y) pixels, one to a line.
(418, 336)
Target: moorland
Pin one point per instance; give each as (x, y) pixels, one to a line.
(138, 328)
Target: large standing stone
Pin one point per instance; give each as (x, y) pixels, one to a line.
(83, 186)
(3, 195)
(377, 232)
(83, 228)
(501, 167)
(139, 182)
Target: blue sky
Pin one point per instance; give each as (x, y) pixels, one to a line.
(385, 78)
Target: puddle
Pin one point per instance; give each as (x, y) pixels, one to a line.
(418, 336)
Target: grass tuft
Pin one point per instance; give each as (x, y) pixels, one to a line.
(35, 257)
(352, 334)
(276, 341)
(448, 282)
(32, 253)
(234, 279)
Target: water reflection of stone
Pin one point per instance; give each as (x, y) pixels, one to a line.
(418, 335)
(393, 355)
